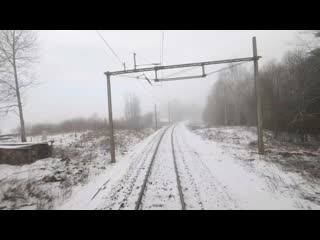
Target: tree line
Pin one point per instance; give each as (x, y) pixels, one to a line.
(290, 95)
(133, 119)
(81, 124)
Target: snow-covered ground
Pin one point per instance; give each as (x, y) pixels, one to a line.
(77, 160)
(273, 181)
(91, 195)
(217, 168)
(223, 173)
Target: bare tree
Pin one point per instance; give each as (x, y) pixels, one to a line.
(132, 111)
(17, 52)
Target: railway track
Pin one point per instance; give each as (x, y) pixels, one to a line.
(183, 205)
(128, 183)
(150, 168)
(192, 194)
(152, 180)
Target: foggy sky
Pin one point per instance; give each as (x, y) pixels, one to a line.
(72, 63)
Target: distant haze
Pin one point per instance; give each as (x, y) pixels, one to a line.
(72, 63)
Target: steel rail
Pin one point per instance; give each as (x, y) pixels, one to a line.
(183, 205)
(138, 202)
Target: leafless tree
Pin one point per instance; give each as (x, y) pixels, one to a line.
(132, 111)
(17, 53)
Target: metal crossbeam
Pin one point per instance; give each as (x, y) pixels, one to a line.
(157, 68)
(178, 78)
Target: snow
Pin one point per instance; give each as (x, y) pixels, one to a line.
(162, 191)
(21, 143)
(88, 197)
(253, 181)
(18, 145)
(218, 168)
(13, 147)
(78, 160)
(214, 175)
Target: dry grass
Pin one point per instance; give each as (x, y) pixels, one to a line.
(20, 194)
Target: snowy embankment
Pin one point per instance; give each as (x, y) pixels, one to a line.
(88, 197)
(78, 160)
(273, 181)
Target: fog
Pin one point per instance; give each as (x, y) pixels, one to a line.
(254, 122)
(71, 66)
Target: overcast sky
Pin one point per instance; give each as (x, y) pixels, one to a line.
(72, 63)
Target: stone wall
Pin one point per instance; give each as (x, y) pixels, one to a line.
(26, 154)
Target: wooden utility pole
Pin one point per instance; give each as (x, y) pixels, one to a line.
(112, 146)
(155, 116)
(134, 61)
(258, 97)
(225, 105)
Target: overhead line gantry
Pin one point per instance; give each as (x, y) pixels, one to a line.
(155, 69)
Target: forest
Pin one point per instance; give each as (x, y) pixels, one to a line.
(290, 94)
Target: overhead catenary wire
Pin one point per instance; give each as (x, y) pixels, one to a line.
(131, 51)
(181, 71)
(184, 70)
(162, 62)
(226, 68)
(114, 53)
(145, 59)
(127, 76)
(138, 77)
(208, 74)
(146, 93)
(141, 84)
(222, 69)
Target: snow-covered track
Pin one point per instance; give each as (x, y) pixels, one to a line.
(183, 205)
(122, 193)
(191, 192)
(175, 186)
(138, 203)
(158, 177)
